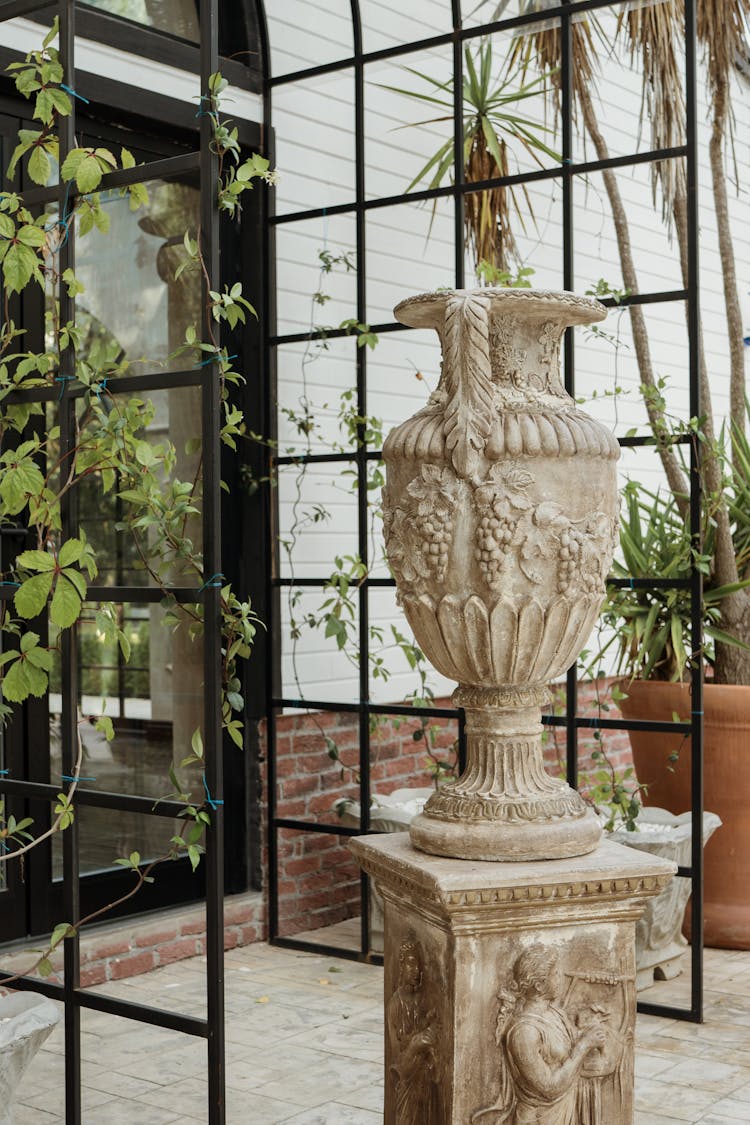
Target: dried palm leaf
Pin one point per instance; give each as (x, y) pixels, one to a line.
(654, 34)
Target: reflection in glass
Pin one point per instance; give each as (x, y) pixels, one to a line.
(178, 17)
(155, 702)
(132, 308)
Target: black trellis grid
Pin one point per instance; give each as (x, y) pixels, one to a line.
(567, 171)
(74, 997)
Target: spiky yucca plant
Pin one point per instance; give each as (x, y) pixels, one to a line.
(492, 125)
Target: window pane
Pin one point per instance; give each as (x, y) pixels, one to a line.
(178, 17)
(134, 308)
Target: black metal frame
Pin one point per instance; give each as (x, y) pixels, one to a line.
(567, 171)
(75, 998)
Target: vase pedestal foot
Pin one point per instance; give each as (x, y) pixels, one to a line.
(506, 842)
(509, 988)
(505, 806)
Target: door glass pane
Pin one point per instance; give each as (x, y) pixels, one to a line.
(155, 702)
(133, 307)
(178, 17)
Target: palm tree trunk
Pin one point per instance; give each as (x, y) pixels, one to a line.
(726, 251)
(732, 665)
(675, 476)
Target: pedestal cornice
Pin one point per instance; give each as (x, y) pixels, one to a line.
(613, 880)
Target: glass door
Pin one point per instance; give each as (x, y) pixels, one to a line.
(132, 317)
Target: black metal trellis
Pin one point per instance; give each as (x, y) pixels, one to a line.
(75, 998)
(567, 171)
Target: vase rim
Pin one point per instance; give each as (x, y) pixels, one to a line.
(419, 311)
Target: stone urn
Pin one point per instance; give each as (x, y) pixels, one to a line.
(500, 515)
(25, 1022)
(659, 942)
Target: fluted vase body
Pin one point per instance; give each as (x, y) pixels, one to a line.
(500, 523)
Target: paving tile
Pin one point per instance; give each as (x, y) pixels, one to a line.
(330, 1076)
(29, 1115)
(706, 1074)
(366, 1097)
(728, 1109)
(304, 1052)
(335, 1113)
(717, 1119)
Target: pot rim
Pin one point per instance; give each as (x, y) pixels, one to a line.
(425, 310)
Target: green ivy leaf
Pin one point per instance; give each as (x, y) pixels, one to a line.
(18, 482)
(66, 601)
(105, 726)
(39, 163)
(20, 265)
(31, 235)
(31, 596)
(40, 658)
(70, 552)
(22, 680)
(36, 560)
(29, 640)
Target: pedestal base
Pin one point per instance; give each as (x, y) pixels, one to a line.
(504, 841)
(509, 988)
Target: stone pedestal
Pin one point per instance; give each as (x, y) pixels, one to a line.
(510, 987)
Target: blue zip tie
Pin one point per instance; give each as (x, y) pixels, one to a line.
(99, 388)
(696, 712)
(209, 799)
(68, 777)
(217, 359)
(62, 379)
(64, 221)
(73, 94)
(4, 772)
(16, 584)
(214, 580)
(205, 112)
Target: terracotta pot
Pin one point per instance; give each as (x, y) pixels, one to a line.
(726, 790)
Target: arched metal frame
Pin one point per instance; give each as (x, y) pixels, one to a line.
(203, 162)
(566, 172)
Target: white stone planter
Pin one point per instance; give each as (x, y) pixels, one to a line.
(25, 1022)
(392, 812)
(659, 943)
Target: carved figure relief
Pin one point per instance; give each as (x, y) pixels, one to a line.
(413, 1031)
(561, 1037)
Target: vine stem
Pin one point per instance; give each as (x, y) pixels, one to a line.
(55, 826)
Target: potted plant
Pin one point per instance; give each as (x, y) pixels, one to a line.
(647, 630)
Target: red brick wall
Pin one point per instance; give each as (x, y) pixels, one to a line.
(318, 881)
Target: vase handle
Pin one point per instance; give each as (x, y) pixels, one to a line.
(467, 372)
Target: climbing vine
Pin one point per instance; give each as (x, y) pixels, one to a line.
(113, 449)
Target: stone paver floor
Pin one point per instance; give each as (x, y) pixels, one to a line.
(304, 1046)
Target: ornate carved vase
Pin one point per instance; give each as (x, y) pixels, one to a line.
(500, 525)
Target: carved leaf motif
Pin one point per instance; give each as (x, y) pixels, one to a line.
(518, 478)
(468, 412)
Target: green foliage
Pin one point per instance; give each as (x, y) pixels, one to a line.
(493, 126)
(650, 627)
(117, 463)
(504, 279)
